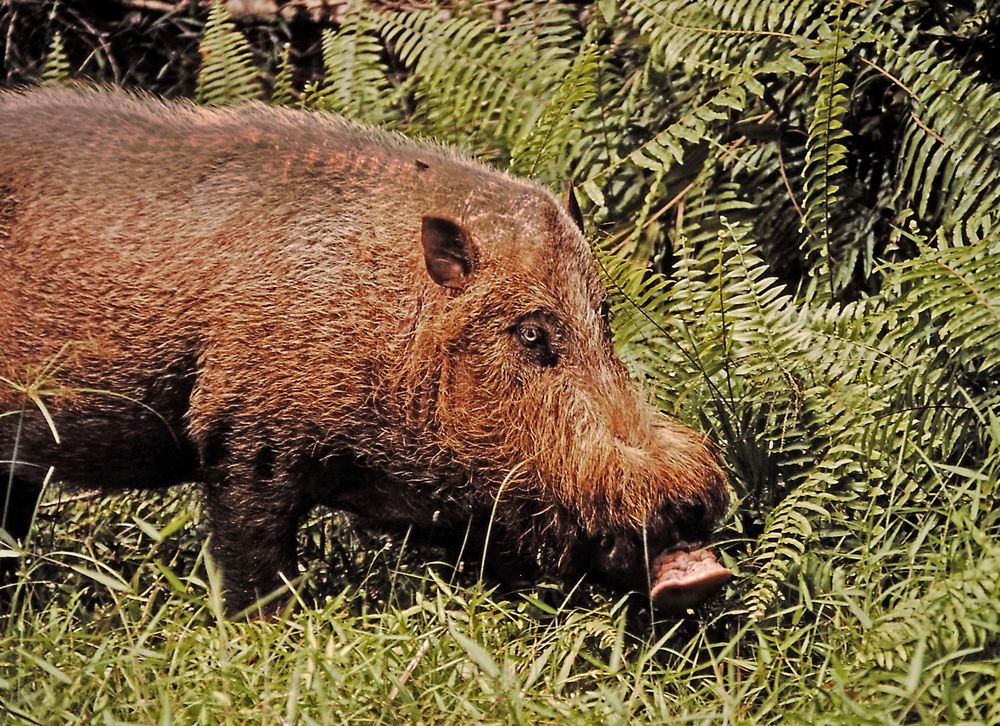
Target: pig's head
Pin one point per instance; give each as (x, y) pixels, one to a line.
(579, 471)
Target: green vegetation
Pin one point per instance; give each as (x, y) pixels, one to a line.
(796, 205)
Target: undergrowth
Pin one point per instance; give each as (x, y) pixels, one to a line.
(122, 623)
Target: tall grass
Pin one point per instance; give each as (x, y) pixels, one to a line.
(122, 623)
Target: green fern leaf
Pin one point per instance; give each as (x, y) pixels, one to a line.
(55, 69)
(552, 130)
(284, 92)
(949, 163)
(496, 80)
(826, 158)
(227, 73)
(355, 82)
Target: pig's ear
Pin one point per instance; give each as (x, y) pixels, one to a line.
(571, 206)
(448, 252)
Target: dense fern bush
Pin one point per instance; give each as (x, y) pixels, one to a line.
(796, 207)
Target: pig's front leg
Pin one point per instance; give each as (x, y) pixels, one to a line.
(252, 523)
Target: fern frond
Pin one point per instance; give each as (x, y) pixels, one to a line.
(825, 157)
(792, 17)
(949, 163)
(355, 83)
(283, 93)
(227, 74)
(955, 293)
(692, 36)
(667, 148)
(552, 130)
(496, 80)
(55, 69)
(789, 529)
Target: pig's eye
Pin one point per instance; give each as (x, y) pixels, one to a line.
(532, 336)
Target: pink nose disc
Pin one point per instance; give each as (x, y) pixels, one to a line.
(683, 579)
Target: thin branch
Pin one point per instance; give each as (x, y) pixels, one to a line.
(62, 501)
(410, 667)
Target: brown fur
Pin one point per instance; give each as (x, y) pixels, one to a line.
(241, 297)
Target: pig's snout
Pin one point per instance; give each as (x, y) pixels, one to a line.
(667, 557)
